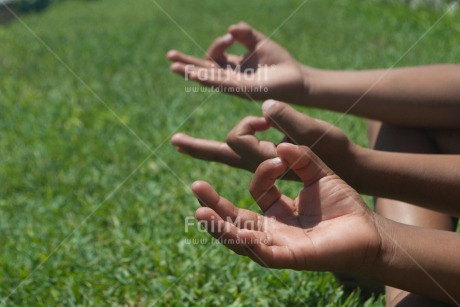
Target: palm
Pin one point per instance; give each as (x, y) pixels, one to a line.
(327, 221)
(271, 67)
(320, 224)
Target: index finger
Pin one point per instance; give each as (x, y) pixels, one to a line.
(241, 218)
(216, 51)
(263, 188)
(243, 141)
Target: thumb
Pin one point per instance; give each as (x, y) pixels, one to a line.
(244, 34)
(298, 127)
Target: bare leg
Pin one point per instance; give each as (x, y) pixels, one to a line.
(389, 138)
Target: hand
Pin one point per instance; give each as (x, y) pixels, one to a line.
(241, 150)
(244, 150)
(327, 227)
(266, 65)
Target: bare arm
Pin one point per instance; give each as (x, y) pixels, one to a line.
(425, 96)
(418, 260)
(428, 180)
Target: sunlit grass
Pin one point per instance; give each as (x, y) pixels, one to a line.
(92, 196)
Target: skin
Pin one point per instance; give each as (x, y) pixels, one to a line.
(329, 221)
(284, 75)
(419, 103)
(390, 138)
(243, 141)
(393, 175)
(425, 96)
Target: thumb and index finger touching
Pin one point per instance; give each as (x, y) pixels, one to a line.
(241, 33)
(300, 159)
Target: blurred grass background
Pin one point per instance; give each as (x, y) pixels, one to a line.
(92, 196)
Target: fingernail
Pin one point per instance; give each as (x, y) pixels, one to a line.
(268, 105)
(227, 38)
(277, 160)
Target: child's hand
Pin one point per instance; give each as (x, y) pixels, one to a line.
(267, 67)
(241, 150)
(244, 150)
(327, 227)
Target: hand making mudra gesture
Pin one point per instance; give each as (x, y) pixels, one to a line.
(415, 139)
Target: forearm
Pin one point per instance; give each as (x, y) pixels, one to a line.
(425, 96)
(418, 260)
(431, 181)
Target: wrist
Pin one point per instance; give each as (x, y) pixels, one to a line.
(380, 257)
(387, 248)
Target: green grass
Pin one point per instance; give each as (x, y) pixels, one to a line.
(88, 215)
